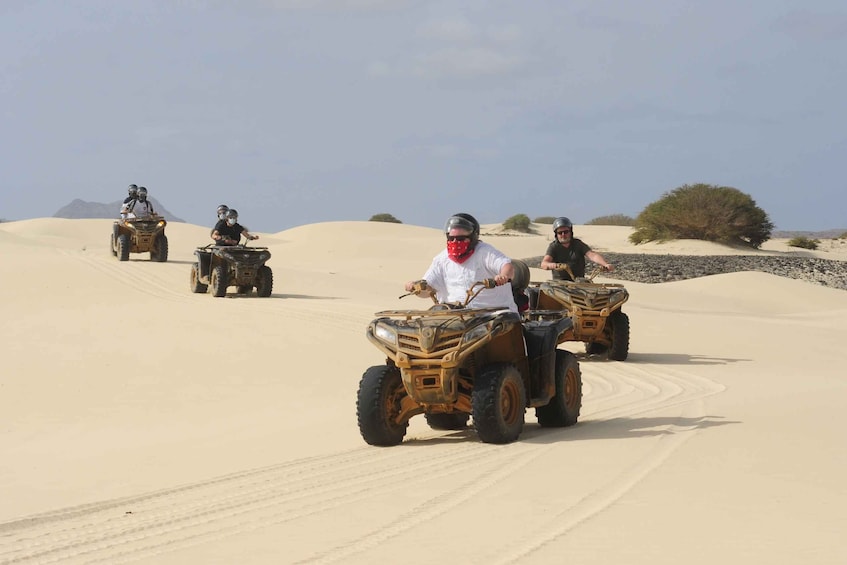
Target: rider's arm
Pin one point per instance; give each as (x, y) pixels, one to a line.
(507, 272)
(597, 258)
(547, 263)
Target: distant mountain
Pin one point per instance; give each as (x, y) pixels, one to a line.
(79, 209)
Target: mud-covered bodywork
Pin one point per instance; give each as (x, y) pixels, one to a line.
(451, 363)
(595, 309)
(219, 267)
(140, 235)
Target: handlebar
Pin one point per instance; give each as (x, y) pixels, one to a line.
(422, 286)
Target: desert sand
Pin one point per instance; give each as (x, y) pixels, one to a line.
(141, 423)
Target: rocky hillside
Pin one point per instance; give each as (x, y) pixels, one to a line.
(665, 268)
(79, 209)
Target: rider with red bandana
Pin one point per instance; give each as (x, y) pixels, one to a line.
(465, 261)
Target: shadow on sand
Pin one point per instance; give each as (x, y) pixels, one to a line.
(614, 428)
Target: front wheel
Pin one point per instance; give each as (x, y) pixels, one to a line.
(196, 285)
(499, 403)
(160, 249)
(379, 405)
(619, 325)
(266, 281)
(218, 281)
(124, 245)
(563, 409)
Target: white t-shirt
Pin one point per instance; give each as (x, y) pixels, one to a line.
(143, 209)
(452, 280)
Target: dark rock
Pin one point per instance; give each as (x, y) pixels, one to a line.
(646, 268)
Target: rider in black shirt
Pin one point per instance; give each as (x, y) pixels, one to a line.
(570, 251)
(228, 231)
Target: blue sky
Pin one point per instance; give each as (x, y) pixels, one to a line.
(298, 112)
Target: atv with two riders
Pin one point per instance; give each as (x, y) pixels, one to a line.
(140, 235)
(595, 309)
(221, 266)
(452, 361)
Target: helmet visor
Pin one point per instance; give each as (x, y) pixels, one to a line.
(458, 222)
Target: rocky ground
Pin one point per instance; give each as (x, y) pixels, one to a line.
(664, 268)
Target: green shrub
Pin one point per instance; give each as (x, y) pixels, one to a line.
(701, 211)
(518, 222)
(804, 242)
(544, 220)
(612, 220)
(384, 218)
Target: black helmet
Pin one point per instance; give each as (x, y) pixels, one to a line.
(132, 190)
(222, 210)
(142, 193)
(562, 222)
(232, 213)
(464, 222)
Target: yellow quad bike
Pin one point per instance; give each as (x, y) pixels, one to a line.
(595, 309)
(219, 267)
(451, 362)
(140, 235)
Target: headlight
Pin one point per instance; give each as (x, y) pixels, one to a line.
(615, 298)
(160, 224)
(477, 333)
(385, 334)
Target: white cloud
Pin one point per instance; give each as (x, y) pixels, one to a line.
(449, 30)
(378, 69)
(466, 63)
(150, 135)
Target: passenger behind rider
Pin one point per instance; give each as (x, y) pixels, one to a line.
(132, 191)
(141, 207)
(132, 195)
(228, 231)
(222, 210)
(465, 261)
(568, 250)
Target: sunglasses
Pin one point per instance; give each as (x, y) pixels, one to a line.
(458, 238)
(563, 232)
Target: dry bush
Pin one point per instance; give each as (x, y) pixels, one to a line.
(701, 211)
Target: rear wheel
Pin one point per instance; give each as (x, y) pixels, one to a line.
(454, 421)
(266, 281)
(124, 246)
(499, 403)
(619, 325)
(160, 249)
(196, 285)
(112, 245)
(563, 409)
(379, 404)
(218, 281)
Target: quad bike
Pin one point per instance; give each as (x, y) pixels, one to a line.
(243, 267)
(595, 308)
(450, 362)
(140, 235)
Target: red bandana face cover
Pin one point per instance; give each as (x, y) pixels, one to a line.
(458, 251)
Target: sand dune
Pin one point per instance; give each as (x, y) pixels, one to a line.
(143, 423)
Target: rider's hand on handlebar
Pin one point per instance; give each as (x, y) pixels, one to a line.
(501, 280)
(417, 287)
